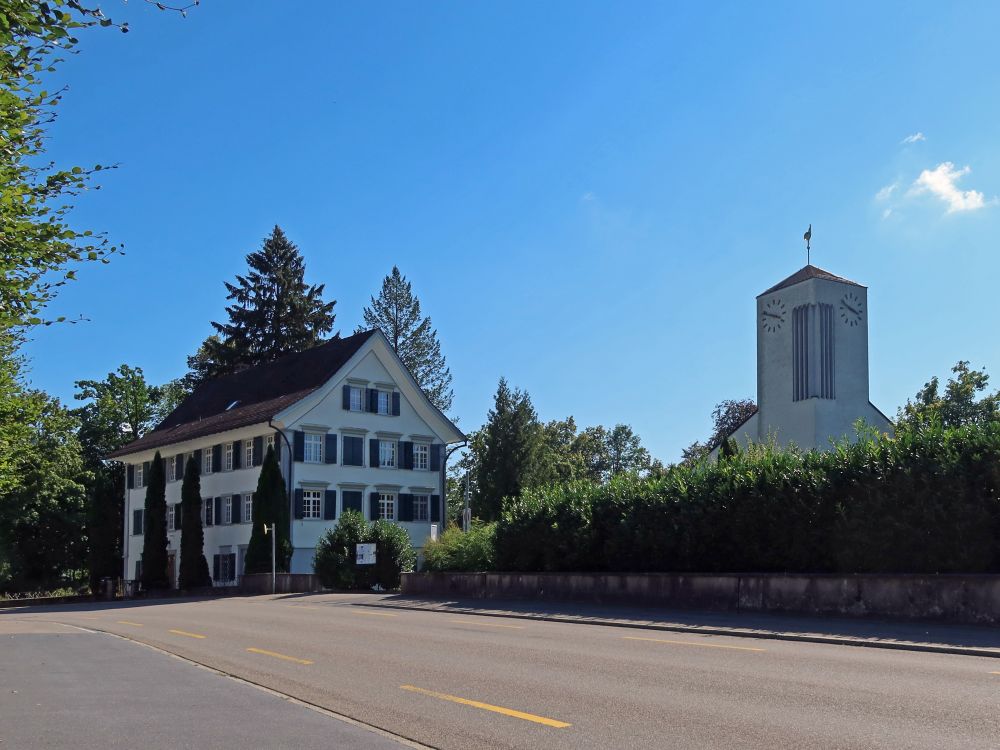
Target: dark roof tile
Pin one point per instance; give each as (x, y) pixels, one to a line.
(250, 396)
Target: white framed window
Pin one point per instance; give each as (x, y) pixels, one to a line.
(227, 510)
(421, 456)
(387, 506)
(312, 501)
(421, 508)
(384, 402)
(138, 475)
(171, 467)
(206, 461)
(387, 454)
(313, 448)
(209, 511)
(170, 516)
(248, 509)
(357, 398)
(248, 454)
(268, 443)
(227, 459)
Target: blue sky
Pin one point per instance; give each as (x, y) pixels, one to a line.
(586, 196)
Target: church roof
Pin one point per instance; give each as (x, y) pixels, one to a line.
(806, 273)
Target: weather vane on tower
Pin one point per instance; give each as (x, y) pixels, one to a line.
(807, 237)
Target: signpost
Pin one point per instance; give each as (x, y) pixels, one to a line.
(365, 554)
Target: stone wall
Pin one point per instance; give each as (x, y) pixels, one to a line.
(955, 598)
(285, 583)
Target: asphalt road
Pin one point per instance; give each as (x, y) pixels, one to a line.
(465, 681)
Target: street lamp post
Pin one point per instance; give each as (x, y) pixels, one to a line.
(274, 537)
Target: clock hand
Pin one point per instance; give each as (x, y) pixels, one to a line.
(851, 308)
(772, 315)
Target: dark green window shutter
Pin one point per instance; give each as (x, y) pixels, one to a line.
(218, 511)
(209, 516)
(406, 507)
(216, 566)
(277, 445)
(131, 476)
(407, 450)
(136, 521)
(329, 505)
(347, 398)
(298, 502)
(395, 404)
(237, 453)
(351, 500)
(373, 400)
(232, 566)
(258, 450)
(237, 502)
(353, 451)
(299, 445)
(436, 457)
(435, 508)
(373, 453)
(179, 466)
(145, 473)
(198, 460)
(330, 449)
(177, 517)
(373, 498)
(138, 569)
(217, 457)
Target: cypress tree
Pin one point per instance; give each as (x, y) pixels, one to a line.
(194, 567)
(511, 439)
(274, 312)
(154, 543)
(270, 506)
(396, 312)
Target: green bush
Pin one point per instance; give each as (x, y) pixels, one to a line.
(926, 501)
(459, 550)
(334, 561)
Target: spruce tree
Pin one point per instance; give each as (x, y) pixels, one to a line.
(396, 312)
(270, 506)
(511, 439)
(154, 542)
(274, 312)
(194, 567)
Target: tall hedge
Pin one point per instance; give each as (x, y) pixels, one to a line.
(154, 543)
(926, 501)
(194, 567)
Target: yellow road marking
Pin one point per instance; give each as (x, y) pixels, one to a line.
(129, 622)
(489, 707)
(189, 635)
(276, 655)
(487, 624)
(994, 672)
(690, 643)
(373, 614)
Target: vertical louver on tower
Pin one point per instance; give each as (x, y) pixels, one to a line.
(812, 352)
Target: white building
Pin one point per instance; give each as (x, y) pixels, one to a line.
(351, 428)
(812, 362)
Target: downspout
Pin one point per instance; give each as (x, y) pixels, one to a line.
(291, 466)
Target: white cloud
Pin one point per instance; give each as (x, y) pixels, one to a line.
(914, 138)
(886, 214)
(588, 197)
(941, 180)
(884, 193)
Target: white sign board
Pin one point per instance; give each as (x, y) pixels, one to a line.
(434, 532)
(365, 554)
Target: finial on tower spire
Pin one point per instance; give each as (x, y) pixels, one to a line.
(808, 237)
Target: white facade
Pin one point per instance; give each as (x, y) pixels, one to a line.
(812, 363)
(310, 430)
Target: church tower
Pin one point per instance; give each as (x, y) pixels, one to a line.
(812, 362)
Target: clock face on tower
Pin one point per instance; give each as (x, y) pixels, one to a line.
(851, 311)
(772, 317)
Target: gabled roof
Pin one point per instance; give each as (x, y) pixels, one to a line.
(250, 396)
(806, 273)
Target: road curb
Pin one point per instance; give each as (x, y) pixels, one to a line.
(733, 632)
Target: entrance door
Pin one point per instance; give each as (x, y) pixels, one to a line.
(171, 569)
